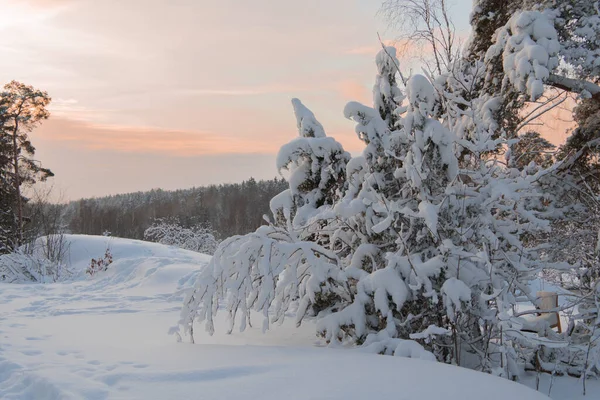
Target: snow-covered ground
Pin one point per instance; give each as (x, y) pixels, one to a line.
(106, 338)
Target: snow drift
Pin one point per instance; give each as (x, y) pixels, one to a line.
(106, 337)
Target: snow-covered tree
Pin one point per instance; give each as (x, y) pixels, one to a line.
(288, 260)
(445, 241)
(486, 17)
(197, 238)
(8, 216)
(553, 43)
(400, 229)
(417, 257)
(316, 165)
(387, 96)
(424, 246)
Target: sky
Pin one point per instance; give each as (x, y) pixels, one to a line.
(178, 93)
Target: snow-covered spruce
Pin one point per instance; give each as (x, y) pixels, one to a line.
(422, 243)
(316, 165)
(387, 96)
(287, 260)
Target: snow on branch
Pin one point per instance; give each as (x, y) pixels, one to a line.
(573, 85)
(529, 47)
(264, 271)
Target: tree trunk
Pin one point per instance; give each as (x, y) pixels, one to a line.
(17, 184)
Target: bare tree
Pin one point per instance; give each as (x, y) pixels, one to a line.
(426, 22)
(45, 230)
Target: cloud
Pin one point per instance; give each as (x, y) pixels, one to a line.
(47, 3)
(146, 140)
(245, 91)
(73, 110)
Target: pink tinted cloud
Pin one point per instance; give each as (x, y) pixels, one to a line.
(270, 88)
(73, 110)
(47, 3)
(147, 140)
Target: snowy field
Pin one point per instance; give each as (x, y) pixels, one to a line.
(106, 338)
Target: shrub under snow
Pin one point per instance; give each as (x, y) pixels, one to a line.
(100, 264)
(196, 238)
(26, 268)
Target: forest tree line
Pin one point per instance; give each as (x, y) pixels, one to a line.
(229, 209)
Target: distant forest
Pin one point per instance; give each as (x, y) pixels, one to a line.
(229, 209)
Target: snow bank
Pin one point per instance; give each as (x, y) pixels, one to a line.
(135, 262)
(82, 248)
(106, 338)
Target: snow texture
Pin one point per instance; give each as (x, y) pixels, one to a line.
(529, 47)
(307, 123)
(105, 338)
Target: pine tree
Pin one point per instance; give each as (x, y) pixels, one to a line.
(316, 164)
(532, 147)
(387, 96)
(406, 230)
(487, 16)
(8, 219)
(23, 109)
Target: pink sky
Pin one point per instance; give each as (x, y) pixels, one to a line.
(174, 94)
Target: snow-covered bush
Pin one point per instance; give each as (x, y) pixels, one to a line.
(19, 267)
(170, 232)
(41, 261)
(53, 247)
(265, 271)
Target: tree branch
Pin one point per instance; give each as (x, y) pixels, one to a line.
(573, 85)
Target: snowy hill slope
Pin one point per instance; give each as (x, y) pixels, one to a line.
(106, 338)
(82, 248)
